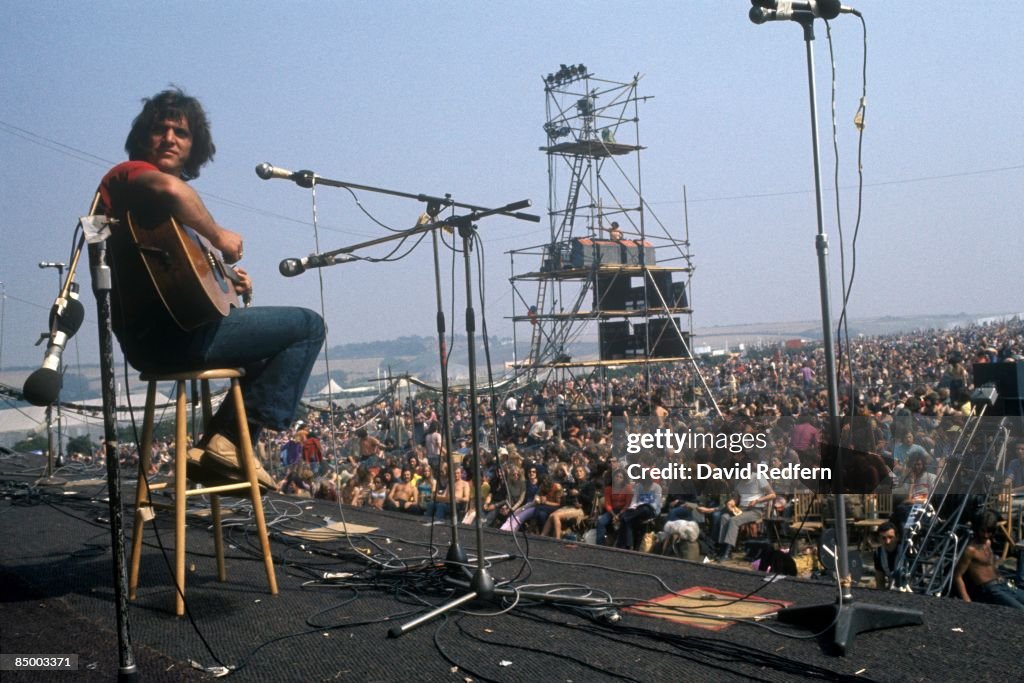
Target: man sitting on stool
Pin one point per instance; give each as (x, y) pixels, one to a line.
(754, 494)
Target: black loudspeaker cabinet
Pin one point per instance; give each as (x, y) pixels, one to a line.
(1009, 381)
(615, 339)
(660, 337)
(611, 293)
(674, 293)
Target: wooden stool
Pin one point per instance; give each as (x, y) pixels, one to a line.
(144, 506)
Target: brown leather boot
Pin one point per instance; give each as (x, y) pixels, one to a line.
(220, 458)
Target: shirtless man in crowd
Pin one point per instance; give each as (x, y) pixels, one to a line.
(978, 567)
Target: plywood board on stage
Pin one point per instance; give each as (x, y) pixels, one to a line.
(687, 606)
(331, 532)
(86, 482)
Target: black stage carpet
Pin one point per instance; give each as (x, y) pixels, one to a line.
(58, 598)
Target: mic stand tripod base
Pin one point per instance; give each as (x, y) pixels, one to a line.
(481, 587)
(849, 619)
(456, 559)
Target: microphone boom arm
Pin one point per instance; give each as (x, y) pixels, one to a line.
(309, 178)
(330, 257)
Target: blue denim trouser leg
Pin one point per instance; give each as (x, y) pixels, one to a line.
(1001, 594)
(602, 527)
(276, 345)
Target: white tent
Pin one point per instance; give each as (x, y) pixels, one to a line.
(17, 423)
(331, 387)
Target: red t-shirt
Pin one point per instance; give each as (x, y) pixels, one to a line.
(115, 186)
(143, 308)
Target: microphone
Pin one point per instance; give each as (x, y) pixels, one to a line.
(42, 387)
(290, 267)
(779, 10)
(300, 178)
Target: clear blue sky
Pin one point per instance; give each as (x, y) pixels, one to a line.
(447, 98)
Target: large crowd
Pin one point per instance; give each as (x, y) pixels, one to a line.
(553, 456)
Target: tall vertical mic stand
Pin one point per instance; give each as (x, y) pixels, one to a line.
(844, 618)
(480, 586)
(456, 557)
(102, 285)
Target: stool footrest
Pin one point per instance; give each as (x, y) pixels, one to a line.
(218, 489)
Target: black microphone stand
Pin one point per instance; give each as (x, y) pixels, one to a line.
(102, 285)
(479, 585)
(844, 618)
(56, 455)
(456, 558)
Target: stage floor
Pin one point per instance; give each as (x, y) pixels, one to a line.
(58, 598)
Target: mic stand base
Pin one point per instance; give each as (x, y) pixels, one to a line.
(456, 559)
(51, 481)
(481, 588)
(844, 621)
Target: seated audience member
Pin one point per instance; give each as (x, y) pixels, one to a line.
(754, 494)
(976, 576)
(426, 485)
(403, 496)
(378, 494)
(885, 555)
(576, 505)
(617, 497)
(920, 485)
(547, 500)
(646, 504)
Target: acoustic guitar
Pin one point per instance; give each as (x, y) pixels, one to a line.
(188, 274)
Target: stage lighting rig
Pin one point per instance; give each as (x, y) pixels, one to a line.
(555, 131)
(566, 74)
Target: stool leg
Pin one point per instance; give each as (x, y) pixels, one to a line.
(218, 532)
(218, 537)
(180, 500)
(249, 468)
(141, 489)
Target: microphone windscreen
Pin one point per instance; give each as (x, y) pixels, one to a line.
(74, 314)
(42, 387)
(829, 9)
(757, 15)
(264, 171)
(71, 319)
(291, 267)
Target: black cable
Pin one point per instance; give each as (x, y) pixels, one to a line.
(476, 675)
(562, 656)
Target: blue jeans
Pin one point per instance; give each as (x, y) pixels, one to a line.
(276, 345)
(602, 527)
(998, 593)
(630, 518)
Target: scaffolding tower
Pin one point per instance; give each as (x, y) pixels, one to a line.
(609, 261)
